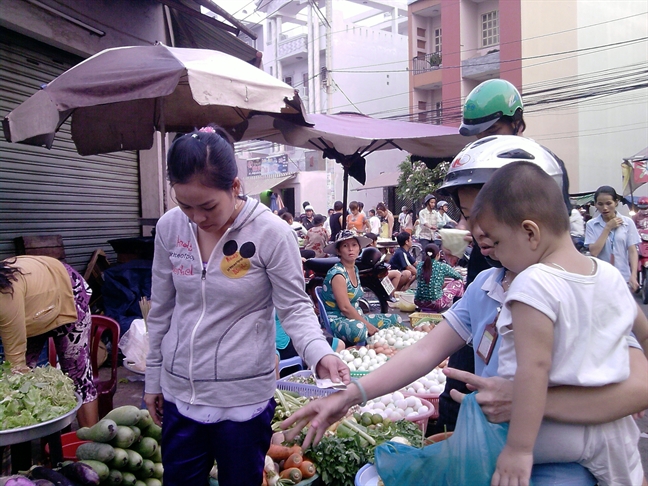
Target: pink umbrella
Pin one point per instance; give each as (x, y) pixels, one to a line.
(348, 138)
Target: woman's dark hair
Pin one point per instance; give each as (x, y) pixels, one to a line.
(353, 205)
(516, 121)
(431, 252)
(7, 275)
(287, 217)
(319, 219)
(381, 206)
(609, 190)
(207, 153)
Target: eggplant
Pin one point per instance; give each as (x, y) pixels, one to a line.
(16, 480)
(40, 472)
(80, 473)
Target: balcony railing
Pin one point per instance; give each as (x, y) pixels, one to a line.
(429, 62)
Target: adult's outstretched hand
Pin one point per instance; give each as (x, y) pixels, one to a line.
(495, 395)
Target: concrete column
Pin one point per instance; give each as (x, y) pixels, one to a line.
(329, 53)
(317, 80)
(310, 45)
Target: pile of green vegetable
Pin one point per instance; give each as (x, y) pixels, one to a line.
(34, 397)
(124, 448)
(341, 454)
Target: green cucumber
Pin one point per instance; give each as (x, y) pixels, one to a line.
(95, 451)
(102, 431)
(128, 478)
(153, 430)
(158, 470)
(115, 478)
(124, 415)
(146, 447)
(124, 437)
(120, 460)
(100, 468)
(134, 460)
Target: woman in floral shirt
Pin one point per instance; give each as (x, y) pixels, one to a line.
(317, 237)
(431, 293)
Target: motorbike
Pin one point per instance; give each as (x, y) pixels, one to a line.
(643, 263)
(373, 275)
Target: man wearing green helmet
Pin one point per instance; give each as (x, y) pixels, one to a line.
(493, 108)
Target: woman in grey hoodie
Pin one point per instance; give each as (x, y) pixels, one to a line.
(222, 262)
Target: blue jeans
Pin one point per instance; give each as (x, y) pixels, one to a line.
(189, 448)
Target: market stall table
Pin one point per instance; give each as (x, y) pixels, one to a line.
(19, 439)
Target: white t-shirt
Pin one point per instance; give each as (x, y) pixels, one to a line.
(374, 222)
(592, 317)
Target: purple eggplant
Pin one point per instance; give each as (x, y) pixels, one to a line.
(16, 480)
(80, 473)
(40, 472)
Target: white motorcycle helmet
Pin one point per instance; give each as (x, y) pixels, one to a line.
(475, 164)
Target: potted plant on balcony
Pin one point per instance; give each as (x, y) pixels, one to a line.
(435, 59)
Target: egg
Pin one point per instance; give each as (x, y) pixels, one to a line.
(386, 399)
(397, 396)
(422, 409)
(402, 404)
(413, 402)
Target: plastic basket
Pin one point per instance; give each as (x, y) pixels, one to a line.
(358, 374)
(301, 389)
(70, 442)
(417, 318)
(422, 419)
(433, 398)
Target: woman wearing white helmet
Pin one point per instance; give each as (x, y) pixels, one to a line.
(467, 322)
(494, 107)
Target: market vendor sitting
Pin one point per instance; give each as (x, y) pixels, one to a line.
(41, 297)
(403, 261)
(342, 289)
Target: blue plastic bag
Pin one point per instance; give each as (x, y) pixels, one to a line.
(467, 457)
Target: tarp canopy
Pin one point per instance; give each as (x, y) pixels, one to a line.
(253, 186)
(386, 179)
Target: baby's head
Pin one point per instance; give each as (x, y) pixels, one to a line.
(520, 207)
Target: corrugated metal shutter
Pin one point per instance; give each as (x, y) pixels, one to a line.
(87, 200)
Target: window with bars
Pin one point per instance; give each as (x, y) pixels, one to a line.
(437, 40)
(490, 28)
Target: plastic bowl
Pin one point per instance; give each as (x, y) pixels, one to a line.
(70, 442)
(407, 297)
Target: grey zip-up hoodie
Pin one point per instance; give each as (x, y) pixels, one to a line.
(211, 332)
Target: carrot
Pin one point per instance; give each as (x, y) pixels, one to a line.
(265, 479)
(307, 469)
(281, 453)
(294, 474)
(293, 461)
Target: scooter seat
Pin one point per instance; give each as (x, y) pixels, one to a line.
(321, 265)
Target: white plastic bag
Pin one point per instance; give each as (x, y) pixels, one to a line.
(134, 344)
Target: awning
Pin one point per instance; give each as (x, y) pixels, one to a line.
(195, 30)
(386, 179)
(253, 186)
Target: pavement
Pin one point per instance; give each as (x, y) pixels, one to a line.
(130, 388)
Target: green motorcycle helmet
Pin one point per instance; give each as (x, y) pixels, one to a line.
(487, 103)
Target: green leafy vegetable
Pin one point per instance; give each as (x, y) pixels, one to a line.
(35, 397)
(338, 459)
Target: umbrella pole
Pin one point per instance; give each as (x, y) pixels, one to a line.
(345, 197)
(163, 153)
